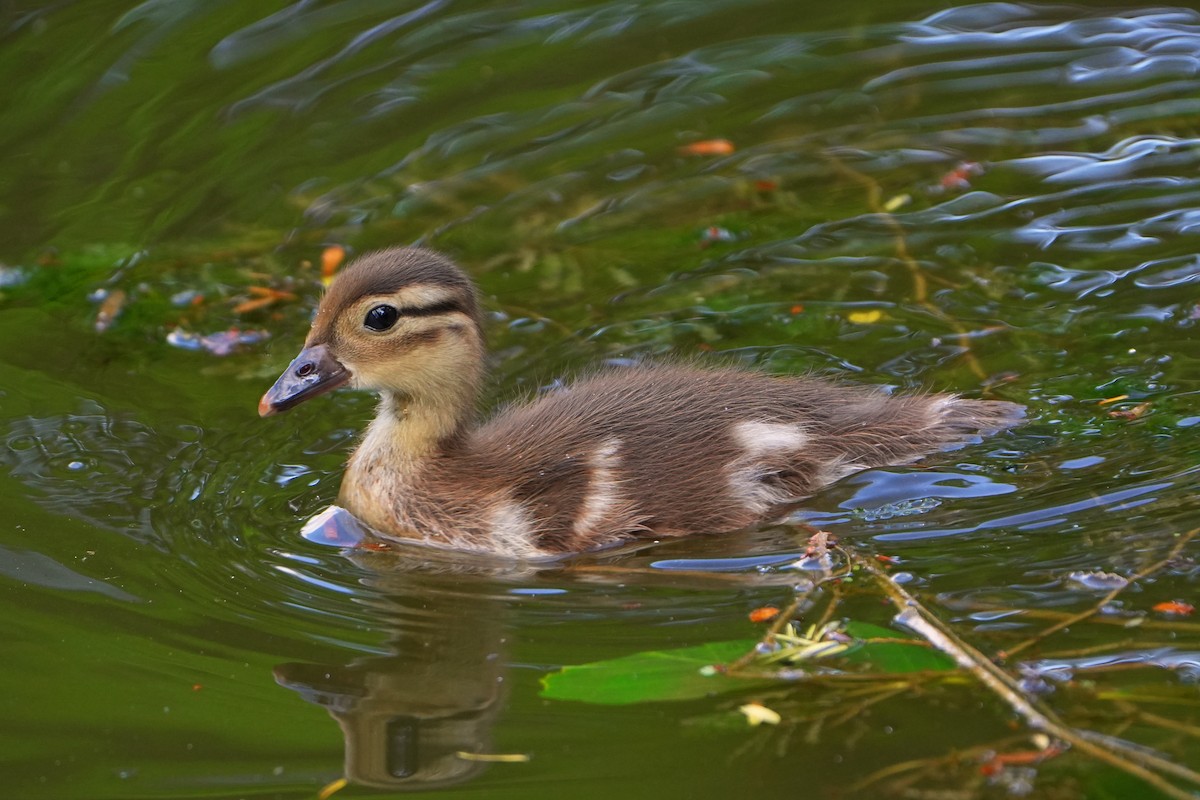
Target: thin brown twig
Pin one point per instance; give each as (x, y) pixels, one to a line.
(1168, 723)
(781, 621)
(1125, 666)
(863, 705)
(835, 599)
(778, 625)
(741, 578)
(900, 243)
(1107, 647)
(925, 764)
(1108, 598)
(865, 699)
(1100, 741)
(1174, 702)
(1123, 622)
(1137, 714)
(832, 678)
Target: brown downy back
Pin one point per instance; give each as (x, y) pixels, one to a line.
(692, 450)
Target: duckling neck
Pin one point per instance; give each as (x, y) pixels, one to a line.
(393, 457)
(407, 430)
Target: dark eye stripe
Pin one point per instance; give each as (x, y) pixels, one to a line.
(444, 307)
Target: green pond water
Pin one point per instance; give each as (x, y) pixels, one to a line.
(995, 199)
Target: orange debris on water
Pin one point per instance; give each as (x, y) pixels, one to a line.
(708, 147)
(764, 614)
(1176, 607)
(999, 761)
(331, 258)
(1130, 413)
(959, 178)
(110, 309)
(263, 296)
(247, 306)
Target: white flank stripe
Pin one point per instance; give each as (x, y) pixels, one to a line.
(602, 487)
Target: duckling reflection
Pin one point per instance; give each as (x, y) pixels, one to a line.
(406, 716)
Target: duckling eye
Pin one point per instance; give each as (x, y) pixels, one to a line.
(380, 318)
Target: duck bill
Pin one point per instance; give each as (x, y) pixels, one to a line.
(314, 372)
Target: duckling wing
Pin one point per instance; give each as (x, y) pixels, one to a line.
(675, 450)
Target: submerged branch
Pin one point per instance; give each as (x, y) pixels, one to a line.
(918, 767)
(1159, 721)
(920, 281)
(1104, 601)
(1122, 622)
(1135, 761)
(817, 548)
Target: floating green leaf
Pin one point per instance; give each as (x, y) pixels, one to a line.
(893, 656)
(662, 675)
(651, 676)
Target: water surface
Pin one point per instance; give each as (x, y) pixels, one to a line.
(994, 199)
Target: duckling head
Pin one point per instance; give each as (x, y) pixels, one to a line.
(403, 322)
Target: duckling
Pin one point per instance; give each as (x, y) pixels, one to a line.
(659, 450)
